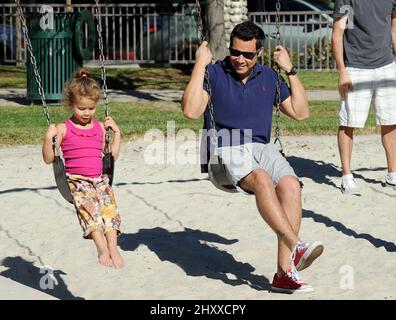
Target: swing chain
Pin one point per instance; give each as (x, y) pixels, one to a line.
(198, 17)
(33, 62)
(103, 71)
(37, 76)
(278, 82)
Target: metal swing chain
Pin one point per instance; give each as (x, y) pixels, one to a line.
(103, 71)
(278, 82)
(198, 17)
(37, 76)
(33, 62)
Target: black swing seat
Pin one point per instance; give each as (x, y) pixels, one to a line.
(219, 175)
(61, 178)
(108, 166)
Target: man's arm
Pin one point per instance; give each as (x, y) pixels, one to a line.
(394, 31)
(296, 106)
(195, 98)
(337, 41)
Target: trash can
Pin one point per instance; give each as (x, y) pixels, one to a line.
(59, 51)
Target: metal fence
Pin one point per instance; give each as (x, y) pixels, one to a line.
(147, 33)
(306, 34)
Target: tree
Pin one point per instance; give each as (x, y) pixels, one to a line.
(215, 28)
(69, 7)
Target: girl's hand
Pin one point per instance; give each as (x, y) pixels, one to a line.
(51, 132)
(110, 123)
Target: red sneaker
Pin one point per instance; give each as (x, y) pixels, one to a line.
(290, 282)
(304, 254)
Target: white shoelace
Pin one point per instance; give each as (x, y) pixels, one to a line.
(295, 276)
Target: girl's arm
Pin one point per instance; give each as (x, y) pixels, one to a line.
(52, 131)
(116, 143)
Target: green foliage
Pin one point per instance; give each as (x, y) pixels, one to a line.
(320, 55)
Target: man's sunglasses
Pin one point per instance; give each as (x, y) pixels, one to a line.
(247, 55)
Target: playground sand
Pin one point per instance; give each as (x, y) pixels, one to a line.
(184, 239)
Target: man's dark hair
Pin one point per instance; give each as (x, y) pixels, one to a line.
(247, 31)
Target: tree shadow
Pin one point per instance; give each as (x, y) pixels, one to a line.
(129, 85)
(322, 172)
(16, 97)
(26, 189)
(376, 242)
(190, 251)
(160, 182)
(26, 273)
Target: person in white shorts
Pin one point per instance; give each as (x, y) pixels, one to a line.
(364, 32)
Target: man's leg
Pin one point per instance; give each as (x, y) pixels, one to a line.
(270, 208)
(345, 144)
(354, 110)
(388, 134)
(288, 191)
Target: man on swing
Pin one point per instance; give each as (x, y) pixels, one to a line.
(243, 95)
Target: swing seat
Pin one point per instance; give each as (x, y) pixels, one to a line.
(220, 178)
(219, 175)
(108, 166)
(61, 179)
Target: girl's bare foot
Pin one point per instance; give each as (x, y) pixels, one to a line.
(105, 259)
(118, 262)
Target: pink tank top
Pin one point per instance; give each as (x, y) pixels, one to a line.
(82, 150)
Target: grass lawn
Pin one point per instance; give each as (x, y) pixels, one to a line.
(325, 80)
(26, 125)
(157, 78)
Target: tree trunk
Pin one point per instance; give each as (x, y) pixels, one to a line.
(18, 53)
(215, 28)
(69, 7)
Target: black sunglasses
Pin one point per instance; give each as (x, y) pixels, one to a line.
(247, 55)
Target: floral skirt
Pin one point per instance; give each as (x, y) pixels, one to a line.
(95, 204)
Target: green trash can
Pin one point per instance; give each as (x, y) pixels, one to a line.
(59, 52)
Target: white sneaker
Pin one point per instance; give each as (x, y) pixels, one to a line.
(348, 185)
(390, 179)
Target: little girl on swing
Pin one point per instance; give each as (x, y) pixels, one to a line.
(82, 140)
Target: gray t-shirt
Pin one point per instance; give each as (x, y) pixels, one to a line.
(368, 37)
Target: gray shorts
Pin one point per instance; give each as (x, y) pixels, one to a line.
(241, 160)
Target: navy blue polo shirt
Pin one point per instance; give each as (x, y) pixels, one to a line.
(247, 107)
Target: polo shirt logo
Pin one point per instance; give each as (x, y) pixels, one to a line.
(264, 88)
